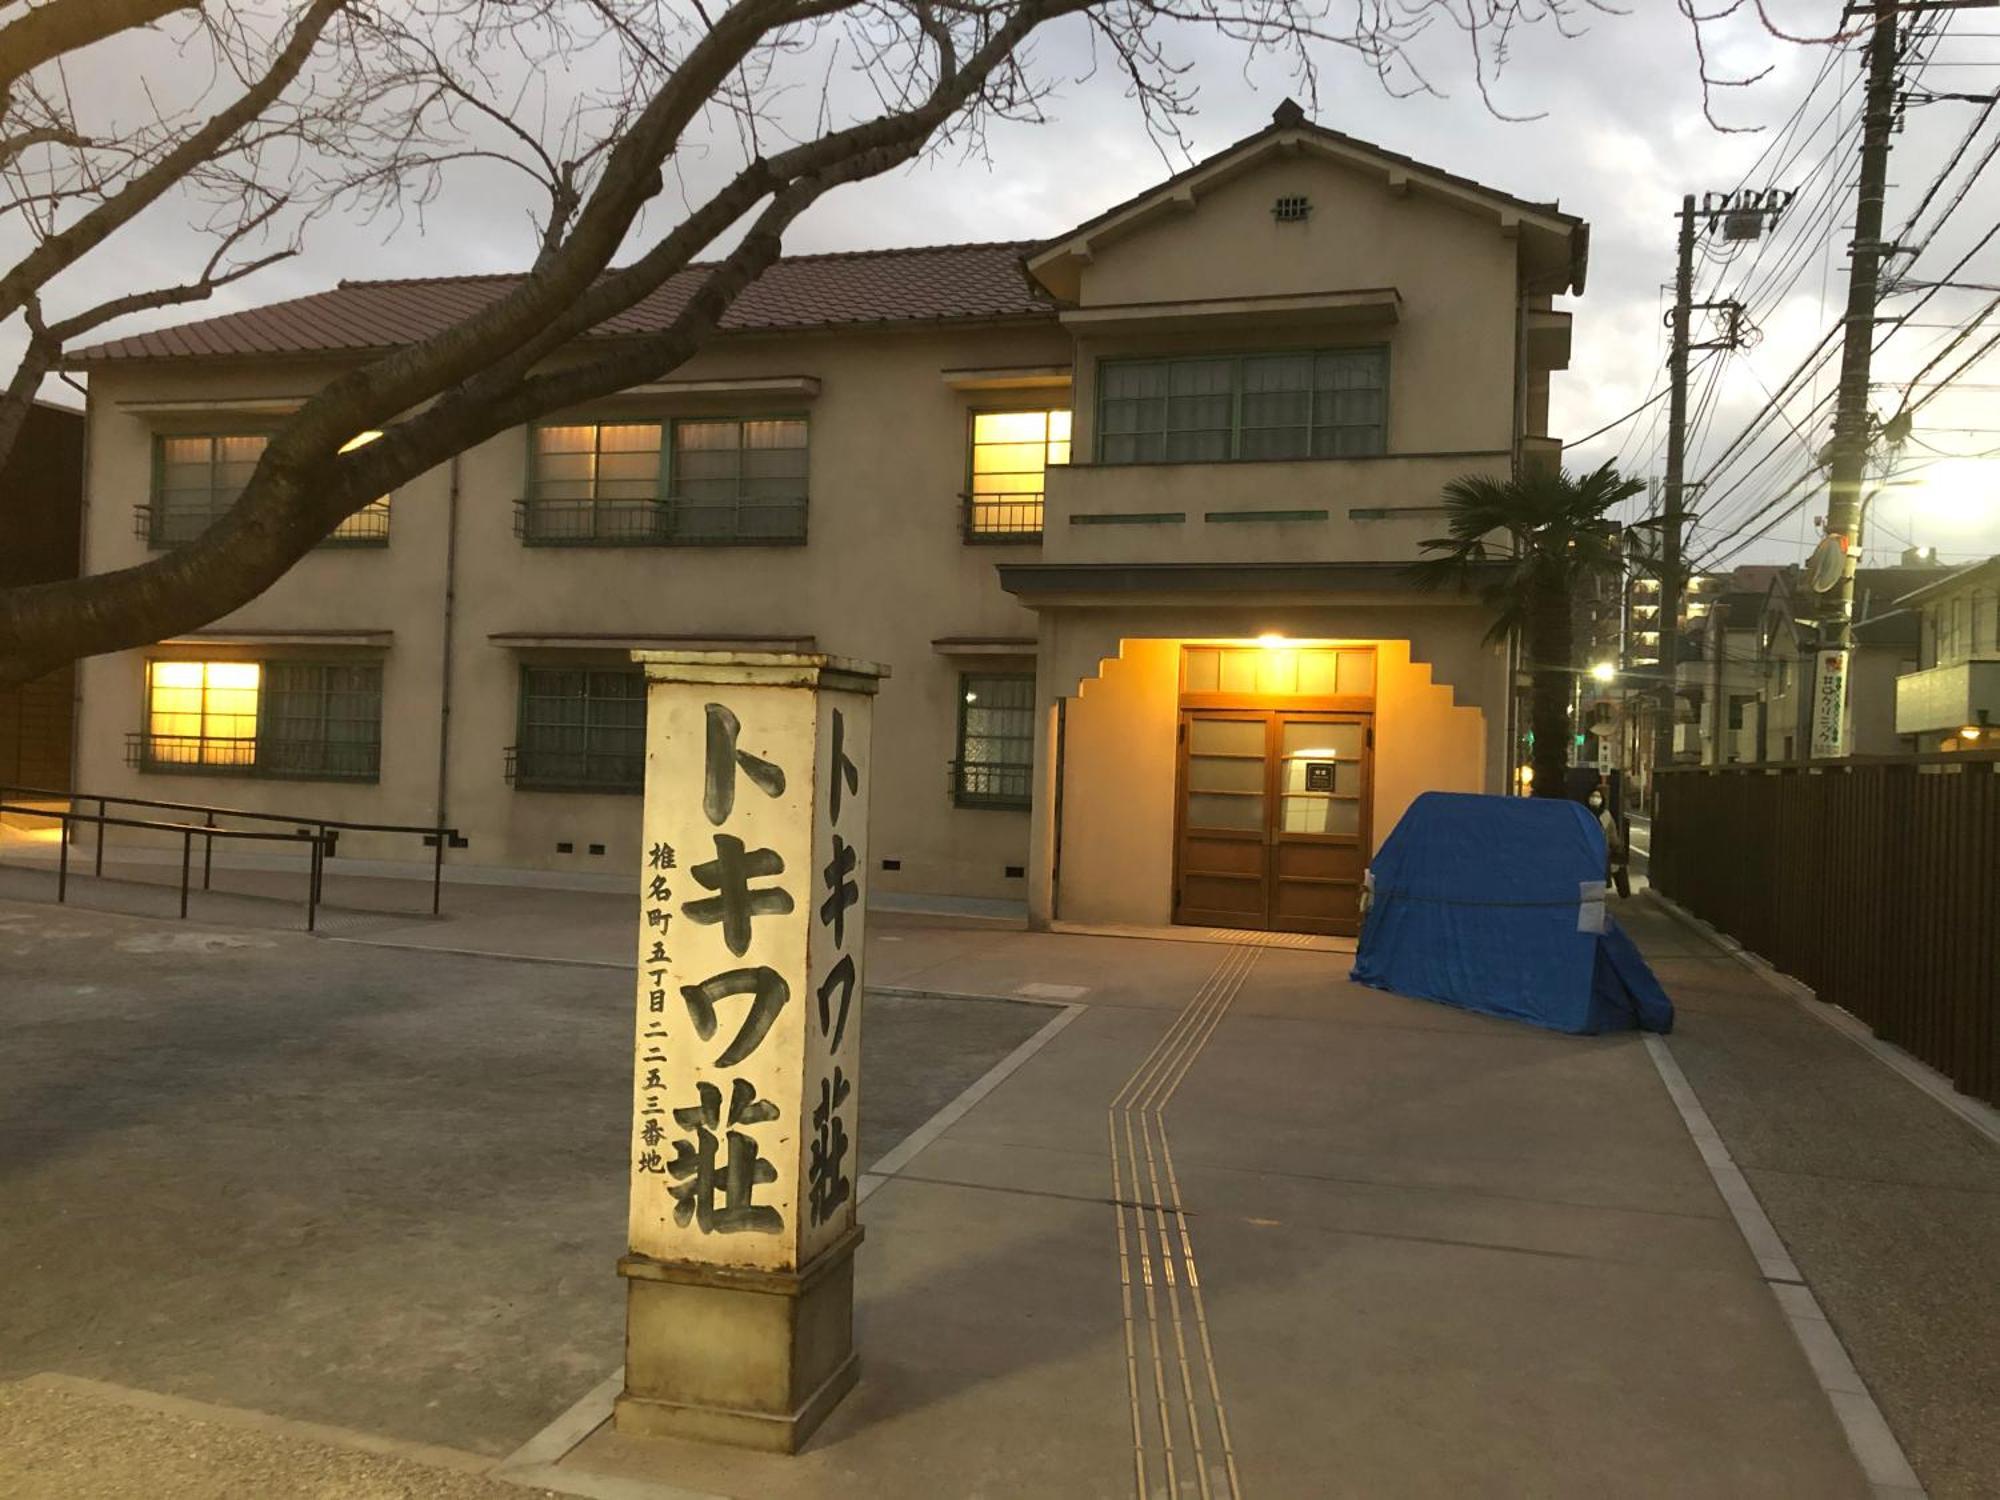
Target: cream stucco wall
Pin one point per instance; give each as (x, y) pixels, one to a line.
(886, 572)
(1452, 347)
(1433, 732)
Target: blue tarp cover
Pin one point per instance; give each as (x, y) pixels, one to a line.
(1480, 902)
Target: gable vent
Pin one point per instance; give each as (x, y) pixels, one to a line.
(1292, 208)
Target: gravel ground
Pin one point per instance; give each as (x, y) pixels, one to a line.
(60, 1444)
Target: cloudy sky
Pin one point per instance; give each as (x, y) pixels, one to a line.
(1618, 136)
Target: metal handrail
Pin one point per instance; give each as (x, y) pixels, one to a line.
(208, 832)
(439, 837)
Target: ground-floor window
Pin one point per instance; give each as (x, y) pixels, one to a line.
(321, 720)
(310, 720)
(582, 729)
(994, 766)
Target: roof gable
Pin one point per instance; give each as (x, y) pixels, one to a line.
(1558, 240)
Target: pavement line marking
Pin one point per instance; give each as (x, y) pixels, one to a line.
(1144, 1094)
(918, 1140)
(583, 1417)
(1169, 1038)
(1193, 1277)
(1874, 1445)
(1980, 1115)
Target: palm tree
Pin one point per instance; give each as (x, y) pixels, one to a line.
(1525, 544)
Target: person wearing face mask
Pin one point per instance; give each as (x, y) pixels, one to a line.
(1617, 870)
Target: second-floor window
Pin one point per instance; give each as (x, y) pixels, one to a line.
(649, 483)
(1330, 403)
(1011, 453)
(196, 479)
(740, 481)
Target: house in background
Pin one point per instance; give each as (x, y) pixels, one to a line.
(1949, 696)
(41, 511)
(1791, 633)
(1127, 513)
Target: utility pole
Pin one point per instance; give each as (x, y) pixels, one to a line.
(1672, 584)
(1742, 214)
(1849, 449)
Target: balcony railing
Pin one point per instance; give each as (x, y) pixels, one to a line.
(990, 784)
(163, 526)
(673, 522)
(1001, 518)
(249, 755)
(530, 769)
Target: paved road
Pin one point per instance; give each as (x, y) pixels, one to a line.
(1438, 1254)
(374, 1187)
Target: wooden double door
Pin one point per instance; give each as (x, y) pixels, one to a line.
(1272, 819)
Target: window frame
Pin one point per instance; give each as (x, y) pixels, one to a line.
(969, 528)
(1236, 359)
(371, 523)
(674, 501)
(665, 509)
(325, 743)
(143, 757)
(961, 795)
(525, 779)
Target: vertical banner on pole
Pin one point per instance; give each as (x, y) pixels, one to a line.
(1829, 722)
(746, 1066)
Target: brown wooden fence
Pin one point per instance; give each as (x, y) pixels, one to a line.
(1875, 880)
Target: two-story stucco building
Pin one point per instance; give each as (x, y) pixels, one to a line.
(1125, 513)
(1949, 698)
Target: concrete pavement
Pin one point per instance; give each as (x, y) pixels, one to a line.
(1295, 1237)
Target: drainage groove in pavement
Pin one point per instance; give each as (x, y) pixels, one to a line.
(1139, 1107)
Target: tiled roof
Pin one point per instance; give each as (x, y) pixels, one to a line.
(926, 284)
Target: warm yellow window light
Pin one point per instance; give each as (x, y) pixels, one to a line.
(1011, 451)
(203, 712)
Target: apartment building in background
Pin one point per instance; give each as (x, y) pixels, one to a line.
(1948, 696)
(1126, 513)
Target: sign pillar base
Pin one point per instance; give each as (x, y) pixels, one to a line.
(754, 1359)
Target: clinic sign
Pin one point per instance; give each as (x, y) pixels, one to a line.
(1829, 720)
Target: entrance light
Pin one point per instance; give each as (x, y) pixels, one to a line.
(1270, 640)
(1604, 671)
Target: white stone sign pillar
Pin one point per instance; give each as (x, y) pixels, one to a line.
(746, 1070)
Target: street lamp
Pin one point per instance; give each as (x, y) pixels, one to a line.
(1604, 671)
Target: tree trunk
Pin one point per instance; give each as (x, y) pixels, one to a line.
(1553, 679)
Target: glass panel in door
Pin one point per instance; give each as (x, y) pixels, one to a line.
(1320, 777)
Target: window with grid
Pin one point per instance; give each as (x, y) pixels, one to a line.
(1329, 403)
(368, 526)
(200, 716)
(996, 740)
(739, 480)
(595, 482)
(1011, 450)
(582, 729)
(321, 720)
(196, 479)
